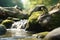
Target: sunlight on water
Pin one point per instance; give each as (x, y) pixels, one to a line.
(17, 34)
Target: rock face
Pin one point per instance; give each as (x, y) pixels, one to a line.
(2, 29)
(53, 35)
(11, 12)
(55, 19)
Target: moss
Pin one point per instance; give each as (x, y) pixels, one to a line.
(54, 22)
(41, 35)
(33, 24)
(34, 16)
(7, 23)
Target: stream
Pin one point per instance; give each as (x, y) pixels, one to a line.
(16, 33)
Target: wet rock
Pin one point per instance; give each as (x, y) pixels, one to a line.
(40, 35)
(53, 35)
(55, 20)
(32, 24)
(11, 12)
(2, 29)
(35, 23)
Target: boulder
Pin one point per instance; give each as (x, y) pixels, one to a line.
(53, 35)
(2, 29)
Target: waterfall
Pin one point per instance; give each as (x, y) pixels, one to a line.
(19, 24)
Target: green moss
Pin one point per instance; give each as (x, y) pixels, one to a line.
(33, 24)
(44, 33)
(34, 16)
(7, 23)
(41, 35)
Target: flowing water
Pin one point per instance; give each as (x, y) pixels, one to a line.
(17, 33)
(19, 24)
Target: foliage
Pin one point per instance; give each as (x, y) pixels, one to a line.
(48, 3)
(7, 23)
(35, 2)
(9, 3)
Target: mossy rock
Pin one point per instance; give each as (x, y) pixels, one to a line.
(33, 24)
(40, 35)
(2, 29)
(7, 23)
(34, 16)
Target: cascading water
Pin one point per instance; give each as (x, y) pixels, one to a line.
(17, 31)
(16, 34)
(17, 28)
(19, 24)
